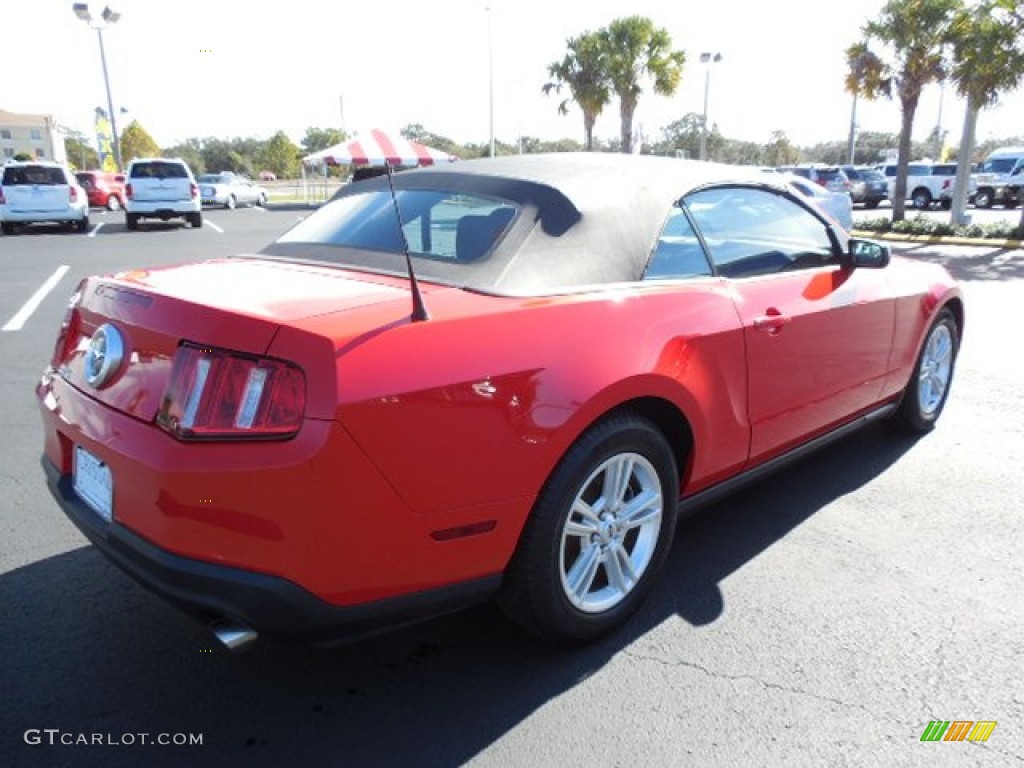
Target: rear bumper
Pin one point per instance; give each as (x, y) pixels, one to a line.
(269, 604)
(163, 208)
(30, 217)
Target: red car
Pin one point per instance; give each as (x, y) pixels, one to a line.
(514, 394)
(105, 190)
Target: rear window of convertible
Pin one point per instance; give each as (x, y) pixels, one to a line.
(455, 228)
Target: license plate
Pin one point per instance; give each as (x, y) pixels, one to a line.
(93, 483)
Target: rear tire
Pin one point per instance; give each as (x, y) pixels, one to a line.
(598, 534)
(925, 395)
(131, 221)
(196, 220)
(113, 203)
(230, 203)
(82, 225)
(7, 228)
(922, 199)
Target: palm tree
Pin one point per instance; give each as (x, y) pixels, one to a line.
(637, 50)
(916, 33)
(865, 76)
(583, 71)
(988, 57)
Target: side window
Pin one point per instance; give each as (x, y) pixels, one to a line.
(753, 232)
(678, 252)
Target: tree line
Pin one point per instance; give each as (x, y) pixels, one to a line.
(680, 138)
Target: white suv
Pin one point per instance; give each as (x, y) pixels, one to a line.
(41, 191)
(161, 188)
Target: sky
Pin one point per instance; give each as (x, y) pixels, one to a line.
(241, 68)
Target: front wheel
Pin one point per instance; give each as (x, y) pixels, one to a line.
(925, 395)
(984, 198)
(230, 203)
(598, 534)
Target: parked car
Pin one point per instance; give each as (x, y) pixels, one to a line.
(868, 186)
(593, 345)
(41, 192)
(999, 178)
(229, 190)
(830, 177)
(105, 189)
(927, 183)
(268, 176)
(161, 188)
(838, 205)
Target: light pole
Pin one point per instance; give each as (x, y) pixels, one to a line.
(107, 18)
(490, 75)
(707, 59)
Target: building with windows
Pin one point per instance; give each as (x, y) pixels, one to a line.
(37, 136)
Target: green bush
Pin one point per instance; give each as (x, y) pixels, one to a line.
(922, 226)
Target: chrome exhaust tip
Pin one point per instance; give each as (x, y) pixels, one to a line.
(234, 637)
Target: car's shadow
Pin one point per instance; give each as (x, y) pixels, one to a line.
(976, 264)
(88, 651)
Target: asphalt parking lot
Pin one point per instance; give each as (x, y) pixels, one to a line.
(822, 617)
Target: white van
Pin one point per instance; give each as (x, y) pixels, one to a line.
(41, 191)
(1000, 178)
(161, 188)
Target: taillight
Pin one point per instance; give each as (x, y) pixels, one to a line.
(217, 394)
(67, 337)
(195, 191)
(947, 183)
(128, 191)
(2, 200)
(73, 194)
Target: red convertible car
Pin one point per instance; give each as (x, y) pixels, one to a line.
(501, 379)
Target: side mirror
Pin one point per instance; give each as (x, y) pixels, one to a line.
(867, 254)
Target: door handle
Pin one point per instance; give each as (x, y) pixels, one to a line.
(772, 321)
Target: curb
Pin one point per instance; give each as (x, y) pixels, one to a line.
(937, 239)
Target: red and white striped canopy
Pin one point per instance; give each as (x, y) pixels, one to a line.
(379, 148)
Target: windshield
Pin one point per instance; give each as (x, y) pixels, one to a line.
(159, 170)
(40, 175)
(999, 165)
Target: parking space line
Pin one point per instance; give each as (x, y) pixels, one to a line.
(209, 223)
(96, 229)
(17, 322)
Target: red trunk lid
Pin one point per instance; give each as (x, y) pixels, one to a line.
(235, 304)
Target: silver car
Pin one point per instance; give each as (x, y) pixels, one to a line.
(230, 190)
(838, 205)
